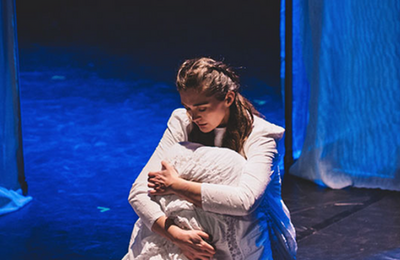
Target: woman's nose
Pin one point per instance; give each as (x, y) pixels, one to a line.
(195, 116)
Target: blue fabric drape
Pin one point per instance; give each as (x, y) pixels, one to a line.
(12, 177)
(346, 58)
(300, 82)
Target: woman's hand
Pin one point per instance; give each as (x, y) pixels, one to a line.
(192, 243)
(162, 181)
(167, 181)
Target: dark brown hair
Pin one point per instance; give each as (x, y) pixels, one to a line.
(215, 78)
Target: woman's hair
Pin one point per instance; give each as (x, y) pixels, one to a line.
(215, 78)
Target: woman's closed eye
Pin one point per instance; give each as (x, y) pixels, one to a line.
(202, 109)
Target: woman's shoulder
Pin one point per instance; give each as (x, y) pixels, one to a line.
(179, 116)
(267, 129)
(179, 123)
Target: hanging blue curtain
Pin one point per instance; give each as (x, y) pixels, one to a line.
(12, 178)
(346, 88)
(300, 82)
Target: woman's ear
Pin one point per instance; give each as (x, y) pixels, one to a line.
(230, 98)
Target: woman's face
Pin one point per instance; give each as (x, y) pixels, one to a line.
(207, 113)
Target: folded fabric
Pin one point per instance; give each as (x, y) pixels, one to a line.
(11, 200)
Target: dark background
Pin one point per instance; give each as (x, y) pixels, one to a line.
(160, 33)
(97, 89)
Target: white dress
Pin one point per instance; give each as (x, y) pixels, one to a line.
(242, 210)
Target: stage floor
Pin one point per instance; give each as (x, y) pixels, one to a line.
(343, 224)
(91, 121)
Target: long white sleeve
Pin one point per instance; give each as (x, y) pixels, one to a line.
(147, 209)
(260, 150)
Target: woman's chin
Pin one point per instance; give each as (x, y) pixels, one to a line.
(206, 130)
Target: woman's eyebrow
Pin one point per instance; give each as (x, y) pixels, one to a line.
(201, 103)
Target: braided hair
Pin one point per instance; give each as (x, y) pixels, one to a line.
(214, 78)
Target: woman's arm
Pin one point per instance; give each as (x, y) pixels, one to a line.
(192, 242)
(147, 209)
(260, 150)
(245, 198)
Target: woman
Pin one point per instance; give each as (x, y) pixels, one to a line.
(218, 115)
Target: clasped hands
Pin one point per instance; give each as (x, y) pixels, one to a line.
(161, 182)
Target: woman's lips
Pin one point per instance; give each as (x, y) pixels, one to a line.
(202, 125)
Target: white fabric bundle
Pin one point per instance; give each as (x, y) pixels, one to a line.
(202, 164)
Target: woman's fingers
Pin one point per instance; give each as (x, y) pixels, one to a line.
(166, 165)
(152, 174)
(201, 246)
(161, 181)
(206, 237)
(192, 242)
(155, 187)
(203, 235)
(196, 255)
(155, 178)
(207, 248)
(155, 192)
(204, 255)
